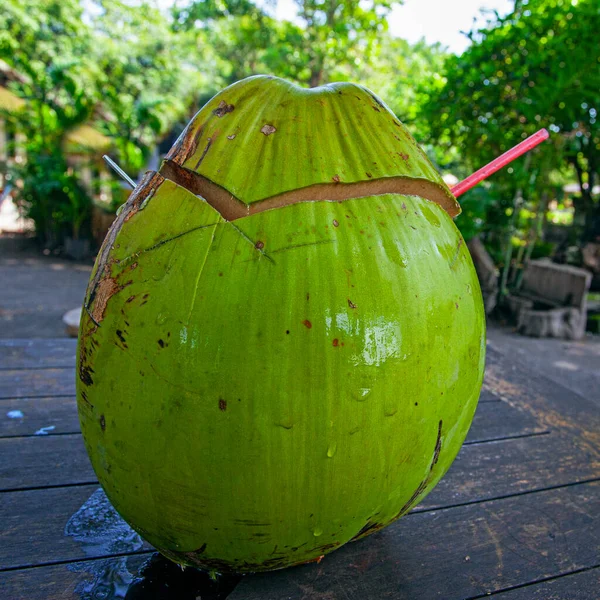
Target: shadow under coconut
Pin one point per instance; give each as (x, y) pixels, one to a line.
(161, 579)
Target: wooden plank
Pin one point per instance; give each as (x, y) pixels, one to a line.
(497, 420)
(68, 581)
(554, 406)
(32, 462)
(458, 553)
(34, 522)
(513, 466)
(23, 383)
(582, 585)
(39, 353)
(155, 577)
(26, 416)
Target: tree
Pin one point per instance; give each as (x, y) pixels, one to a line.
(539, 66)
(46, 44)
(333, 40)
(340, 33)
(149, 76)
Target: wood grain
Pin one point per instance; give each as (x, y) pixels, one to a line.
(39, 353)
(65, 581)
(156, 578)
(33, 524)
(497, 420)
(458, 553)
(40, 461)
(515, 517)
(58, 412)
(579, 586)
(513, 466)
(22, 383)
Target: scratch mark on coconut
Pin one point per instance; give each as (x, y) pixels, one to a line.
(255, 245)
(436, 455)
(135, 255)
(209, 141)
(232, 208)
(318, 243)
(200, 271)
(455, 258)
(142, 193)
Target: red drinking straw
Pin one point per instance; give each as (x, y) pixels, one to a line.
(531, 142)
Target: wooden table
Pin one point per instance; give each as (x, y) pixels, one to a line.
(517, 516)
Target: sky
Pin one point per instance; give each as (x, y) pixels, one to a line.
(442, 20)
(435, 20)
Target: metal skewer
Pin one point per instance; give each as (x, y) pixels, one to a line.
(117, 169)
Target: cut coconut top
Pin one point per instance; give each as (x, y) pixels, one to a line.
(263, 143)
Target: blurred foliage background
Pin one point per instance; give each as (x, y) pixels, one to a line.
(99, 76)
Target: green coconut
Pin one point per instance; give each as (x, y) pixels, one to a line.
(282, 345)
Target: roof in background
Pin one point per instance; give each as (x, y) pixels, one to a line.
(10, 102)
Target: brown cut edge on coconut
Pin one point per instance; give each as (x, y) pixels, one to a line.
(144, 191)
(231, 208)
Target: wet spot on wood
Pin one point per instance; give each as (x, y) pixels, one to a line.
(222, 404)
(307, 323)
(268, 129)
